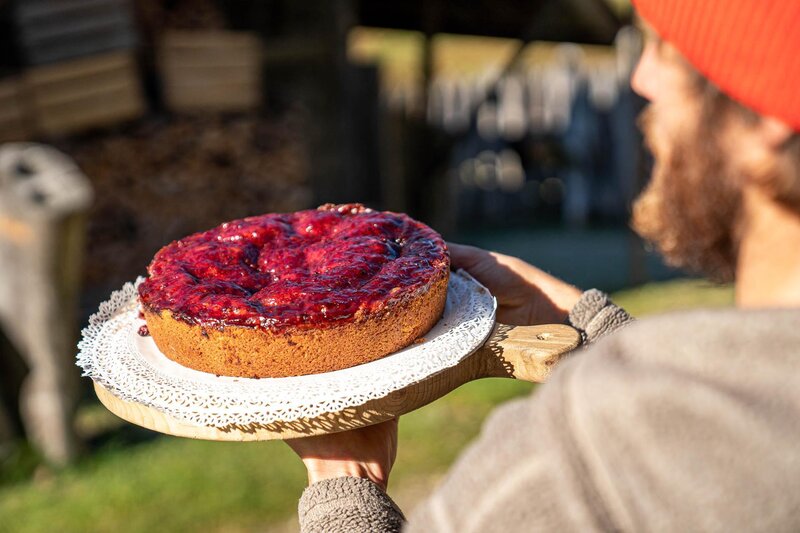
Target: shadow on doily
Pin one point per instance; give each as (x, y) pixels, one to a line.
(347, 419)
(497, 365)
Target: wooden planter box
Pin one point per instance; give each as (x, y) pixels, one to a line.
(211, 70)
(57, 30)
(85, 93)
(15, 119)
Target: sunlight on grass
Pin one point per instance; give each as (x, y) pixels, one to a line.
(675, 295)
(167, 484)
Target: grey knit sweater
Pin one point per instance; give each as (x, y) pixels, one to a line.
(684, 422)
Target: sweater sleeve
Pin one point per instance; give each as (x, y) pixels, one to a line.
(352, 505)
(665, 426)
(521, 474)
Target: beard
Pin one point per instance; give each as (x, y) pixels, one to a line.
(691, 209)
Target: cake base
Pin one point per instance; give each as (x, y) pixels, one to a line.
(261, 353)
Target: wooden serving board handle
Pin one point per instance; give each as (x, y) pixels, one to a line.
(528, 353)
(522, 352)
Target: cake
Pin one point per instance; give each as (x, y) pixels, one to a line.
(298, 293)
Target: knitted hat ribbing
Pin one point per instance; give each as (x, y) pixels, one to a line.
(749, 48)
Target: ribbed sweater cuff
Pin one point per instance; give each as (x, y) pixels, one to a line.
(595, 316)
(348, 504)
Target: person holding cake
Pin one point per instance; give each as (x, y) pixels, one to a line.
(681, 422)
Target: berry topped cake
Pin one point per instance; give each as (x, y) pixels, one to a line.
(298, 293)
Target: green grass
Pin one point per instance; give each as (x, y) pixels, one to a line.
(172, 484)
(675, 295)
(168, 484)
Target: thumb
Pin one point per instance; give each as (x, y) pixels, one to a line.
(463, 256)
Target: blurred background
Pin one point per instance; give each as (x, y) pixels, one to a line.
(125, 124)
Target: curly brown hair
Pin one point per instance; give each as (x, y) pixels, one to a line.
(783, 182)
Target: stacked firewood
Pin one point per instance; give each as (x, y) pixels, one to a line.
(162, 179)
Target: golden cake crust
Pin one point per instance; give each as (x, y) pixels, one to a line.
(260, 353)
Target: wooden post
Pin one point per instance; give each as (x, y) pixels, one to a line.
(42, 228)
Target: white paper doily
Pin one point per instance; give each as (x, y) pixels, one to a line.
(132, 368)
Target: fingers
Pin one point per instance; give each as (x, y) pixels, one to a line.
(368, 452)
(463, 256)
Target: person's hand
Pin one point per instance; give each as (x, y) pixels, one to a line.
(525, 295)
(367, 452)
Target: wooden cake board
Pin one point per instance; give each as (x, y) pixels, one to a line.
(528, 353)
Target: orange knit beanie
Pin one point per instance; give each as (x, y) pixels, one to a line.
(749, 48)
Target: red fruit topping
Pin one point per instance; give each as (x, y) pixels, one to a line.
(313, 268)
